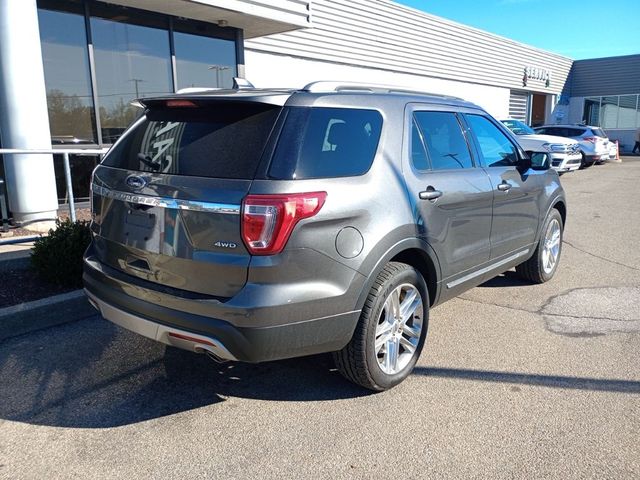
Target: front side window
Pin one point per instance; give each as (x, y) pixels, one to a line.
(446, 146)
(326, 142)
(495, 147)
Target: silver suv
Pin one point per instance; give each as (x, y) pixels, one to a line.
(256, 225)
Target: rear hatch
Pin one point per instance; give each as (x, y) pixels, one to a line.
(167, 197)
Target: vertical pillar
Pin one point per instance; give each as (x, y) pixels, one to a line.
(24, 120)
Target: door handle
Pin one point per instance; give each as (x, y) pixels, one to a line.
(504, 186)
(430, 194)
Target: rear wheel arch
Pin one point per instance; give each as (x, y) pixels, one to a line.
(421, 261)
(411, 251)
(562, 209)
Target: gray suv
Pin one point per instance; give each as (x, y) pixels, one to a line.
(256, 225)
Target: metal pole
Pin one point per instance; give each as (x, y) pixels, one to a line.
(67, 177)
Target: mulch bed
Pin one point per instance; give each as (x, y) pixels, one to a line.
(23, 285)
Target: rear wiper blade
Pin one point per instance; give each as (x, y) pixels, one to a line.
(149, 162)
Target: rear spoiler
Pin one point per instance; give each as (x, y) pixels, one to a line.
(242, 91)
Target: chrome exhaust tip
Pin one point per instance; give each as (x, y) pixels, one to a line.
(211, 355)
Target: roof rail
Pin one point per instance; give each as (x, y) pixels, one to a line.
(333, 86)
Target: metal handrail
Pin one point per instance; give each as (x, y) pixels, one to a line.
(65, 152)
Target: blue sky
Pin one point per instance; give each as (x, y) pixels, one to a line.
(575, 29)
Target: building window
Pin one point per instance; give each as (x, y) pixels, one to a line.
(204, 61)
(609, 112)
(628, 111)
(67, 78)
(615, 111)
(132, 61)
(136, 54)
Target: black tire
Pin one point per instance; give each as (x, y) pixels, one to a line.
(533, 269)
(358, 361)
(583, 162)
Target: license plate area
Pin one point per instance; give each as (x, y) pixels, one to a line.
(143, 229)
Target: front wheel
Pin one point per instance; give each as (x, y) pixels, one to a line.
(543, 264)
(391, 331)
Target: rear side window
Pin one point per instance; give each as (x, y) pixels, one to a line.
(446, 146)
(221, 140)
(574, 132)
(558, 131)
(323, 142)
(418, 154)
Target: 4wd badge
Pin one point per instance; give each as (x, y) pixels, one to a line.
(225, 244)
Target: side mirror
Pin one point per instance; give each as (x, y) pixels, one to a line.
(538, 160)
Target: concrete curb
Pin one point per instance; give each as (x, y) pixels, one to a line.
(15, 260)
(46, 312)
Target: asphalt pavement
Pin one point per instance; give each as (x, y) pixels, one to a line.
(516, 381)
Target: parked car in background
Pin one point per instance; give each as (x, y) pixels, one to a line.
(594, 143)
(564, 153)
(260, 224)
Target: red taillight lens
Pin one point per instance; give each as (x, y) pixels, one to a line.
(180, 104)
(268, 220)
(590, 139)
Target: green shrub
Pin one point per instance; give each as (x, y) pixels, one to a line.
(57, 258)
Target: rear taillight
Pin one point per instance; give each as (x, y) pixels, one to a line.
(268, 220)
(590, 139)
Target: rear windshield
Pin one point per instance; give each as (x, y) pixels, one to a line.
(225, 140)
(323, 142)
(599, 132)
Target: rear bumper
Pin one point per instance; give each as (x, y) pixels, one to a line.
(227, 331)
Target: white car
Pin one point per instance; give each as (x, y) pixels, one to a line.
(564, 153)
(594, 143)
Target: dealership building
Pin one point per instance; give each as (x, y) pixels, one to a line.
(69, 70)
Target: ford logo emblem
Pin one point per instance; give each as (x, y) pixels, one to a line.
(136, 182)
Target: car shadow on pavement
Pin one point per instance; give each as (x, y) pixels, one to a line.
(524, 379)
(507, 279)
(92, 374)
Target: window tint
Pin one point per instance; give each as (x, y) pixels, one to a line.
(560, 132)
(326, 142)
(223, 142)
(446, 145)
(495, 147)
(574, 132)
(418, 154)
(598, 132)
